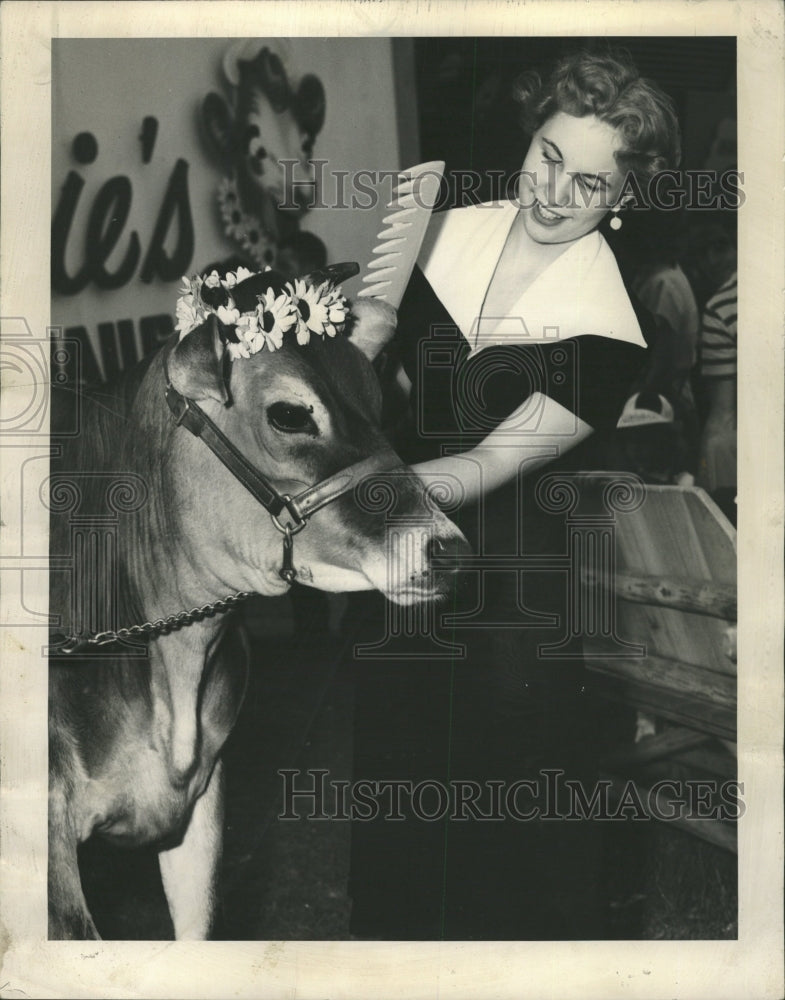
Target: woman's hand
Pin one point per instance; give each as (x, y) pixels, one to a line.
(539, 431)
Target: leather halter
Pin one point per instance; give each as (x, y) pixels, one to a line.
(300, 508)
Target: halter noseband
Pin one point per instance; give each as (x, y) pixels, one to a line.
(300, 508)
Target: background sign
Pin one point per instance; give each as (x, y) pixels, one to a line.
(166, 157)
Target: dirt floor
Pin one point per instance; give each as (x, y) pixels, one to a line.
(288, 878)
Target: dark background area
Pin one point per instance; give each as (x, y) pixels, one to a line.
(468, 119)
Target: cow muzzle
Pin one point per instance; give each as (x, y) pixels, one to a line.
(421, 562)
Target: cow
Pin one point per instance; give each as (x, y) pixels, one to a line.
(244, 468)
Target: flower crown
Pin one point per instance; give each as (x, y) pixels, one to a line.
(256, 309)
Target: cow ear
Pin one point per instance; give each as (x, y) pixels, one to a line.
(336, 274)
(196, 365)
(373, 326)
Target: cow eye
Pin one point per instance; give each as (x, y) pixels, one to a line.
(291, 419)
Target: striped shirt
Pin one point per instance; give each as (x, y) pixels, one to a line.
(718, 335)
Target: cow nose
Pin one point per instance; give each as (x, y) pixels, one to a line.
(447, 554)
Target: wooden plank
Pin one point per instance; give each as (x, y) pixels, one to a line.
(682, 593)
(716, 762)
(657, 629)
(663, 744)
(717, 720)
(670, 632)
(673, 675)
(678, 635)
(709, 761)
(719, 832)
(677, 533)
(683, 511)
(668, 769)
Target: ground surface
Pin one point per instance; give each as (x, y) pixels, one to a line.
(287, 879)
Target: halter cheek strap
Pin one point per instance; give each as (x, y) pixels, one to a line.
(187, 413)
(300, 508)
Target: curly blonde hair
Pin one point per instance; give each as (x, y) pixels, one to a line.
(609, 86)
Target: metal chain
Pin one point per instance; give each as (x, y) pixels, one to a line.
(161, 626)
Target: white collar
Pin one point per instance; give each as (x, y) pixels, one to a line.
(580, 294)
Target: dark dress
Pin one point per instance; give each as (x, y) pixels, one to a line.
(501, 711)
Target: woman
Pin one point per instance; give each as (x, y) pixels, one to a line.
(519, 341)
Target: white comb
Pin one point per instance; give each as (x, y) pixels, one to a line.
(387, 274)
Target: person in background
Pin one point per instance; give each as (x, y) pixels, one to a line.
(711, 266)
(660, 240)
(711, 252)
(718, 368)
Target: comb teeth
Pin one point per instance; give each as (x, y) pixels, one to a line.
(401, 216)
(402, 201)
(394, 256)
(377, 291)
(435, 167)
(396, 231)
(391, 244)
(404, 186)
(384, 274)
(387, 260)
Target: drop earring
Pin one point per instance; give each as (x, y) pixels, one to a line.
(615, 221)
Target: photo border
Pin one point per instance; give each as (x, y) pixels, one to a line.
(750, 967)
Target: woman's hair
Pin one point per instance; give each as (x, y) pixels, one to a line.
(609, 86)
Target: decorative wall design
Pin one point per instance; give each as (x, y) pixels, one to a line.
(263, 135)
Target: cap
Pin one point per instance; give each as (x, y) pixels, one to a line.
(645, 408)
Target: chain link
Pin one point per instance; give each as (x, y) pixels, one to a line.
(161, 626)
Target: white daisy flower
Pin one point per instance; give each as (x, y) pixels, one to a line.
(228, 314)
(191, 286)
(277, 315)
(237, 350)
(311, 309)
(250, 333)
(305, 308)
(245, 228)
(235, 277)
(337, 311)
(190, 314)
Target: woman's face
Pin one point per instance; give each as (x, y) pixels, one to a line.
(570, 178)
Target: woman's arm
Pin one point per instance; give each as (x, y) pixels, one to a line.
(539, 431)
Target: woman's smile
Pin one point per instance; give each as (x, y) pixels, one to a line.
(546, 216)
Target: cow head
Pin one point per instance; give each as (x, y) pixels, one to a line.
(301, 413)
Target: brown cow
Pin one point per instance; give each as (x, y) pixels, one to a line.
(135, 741)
